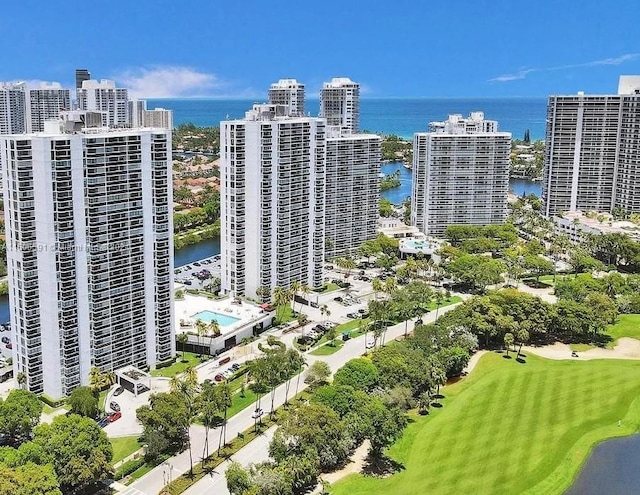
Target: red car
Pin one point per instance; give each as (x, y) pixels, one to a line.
(114, 417)
(218, 377)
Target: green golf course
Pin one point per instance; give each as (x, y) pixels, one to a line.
(511, 428)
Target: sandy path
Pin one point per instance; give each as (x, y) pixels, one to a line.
(626, 348)
(473, 361)
(355, 465)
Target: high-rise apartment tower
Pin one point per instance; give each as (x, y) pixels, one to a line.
(89, 250)
(460, 174)
(592, 149)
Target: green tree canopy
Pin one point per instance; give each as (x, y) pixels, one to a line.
(19, 414)
(360, 373)
(83, 401)
(78, 449)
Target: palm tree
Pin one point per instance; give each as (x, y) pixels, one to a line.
(21, 378)
(224, 403)
(390, 285)
(186, 389)
(424, 402)
(523, 336)
(295, 288)
(281, 297)
(201, 330)
(508, 341)
(182, 338)
(292, 364)
(439, 298)
(95, 378)
(377, 286)
(264, 293)
(438, 377)
(303, 362)
(208, 407)
(214, 328)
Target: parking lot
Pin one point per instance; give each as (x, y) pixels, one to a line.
(199, 274)
(5, 339)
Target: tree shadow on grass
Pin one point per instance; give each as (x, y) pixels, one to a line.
(505, 356)
(437, 405)
(438, 396)
(381, 467)
(521, 361)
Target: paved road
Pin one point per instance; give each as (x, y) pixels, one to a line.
(153, 482)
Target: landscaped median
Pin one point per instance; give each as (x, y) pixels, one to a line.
(203, 468)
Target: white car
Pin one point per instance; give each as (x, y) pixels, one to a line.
(370, 344)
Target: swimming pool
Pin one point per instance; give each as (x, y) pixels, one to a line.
(222, 319)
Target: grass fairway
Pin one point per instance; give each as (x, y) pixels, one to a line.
(626, 326)
(512, 428)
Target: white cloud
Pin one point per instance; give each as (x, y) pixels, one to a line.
(594, 63)
(521, 74)
(169, 82)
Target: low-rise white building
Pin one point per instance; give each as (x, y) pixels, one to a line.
(576, 224)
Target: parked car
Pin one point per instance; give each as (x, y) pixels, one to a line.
(114, 417)
(235, 366)
(118, 391)
(338, 299)
(102, 422)
(219, 377)
(9, 346)
(224, 360)
(187, 282)
(362, 311)
(365, 279)
(5, 340)
(313, 304)
(353, 315)
(196, 264)
(114, 406)
(328, 267)
(370, 344)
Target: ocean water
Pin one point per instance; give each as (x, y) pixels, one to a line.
(401, 116)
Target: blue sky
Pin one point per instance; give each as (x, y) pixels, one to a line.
(400, 48)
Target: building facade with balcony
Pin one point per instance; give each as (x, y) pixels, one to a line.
(45, 103)
(460, 174)
(352, 192)
(89, 250)
(288, 92)
(340, 104)
(272, 175)
(103, 96)
(592, 147)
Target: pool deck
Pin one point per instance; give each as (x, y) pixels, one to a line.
(186, 308)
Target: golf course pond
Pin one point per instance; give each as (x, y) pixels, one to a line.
(612, 467)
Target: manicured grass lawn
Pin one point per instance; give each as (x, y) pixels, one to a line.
(581, 347)
(626, 326)
(178, 367)
(512, 428)
(46, 408)
(139, 473)
(124, 446)
(239, 403)
(326, 349)
(328, 287)
(284, 314)
(447, 302)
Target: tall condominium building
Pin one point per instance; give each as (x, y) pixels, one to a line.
(45, 103)
(352, 192)
(82, 75)
(103, 96)
(592, 149)
(158, 117)
(288, 92)
(460, 174)
(340, 104)
(136, 112)
(272, 174)
(89, 250)
(13, 116)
